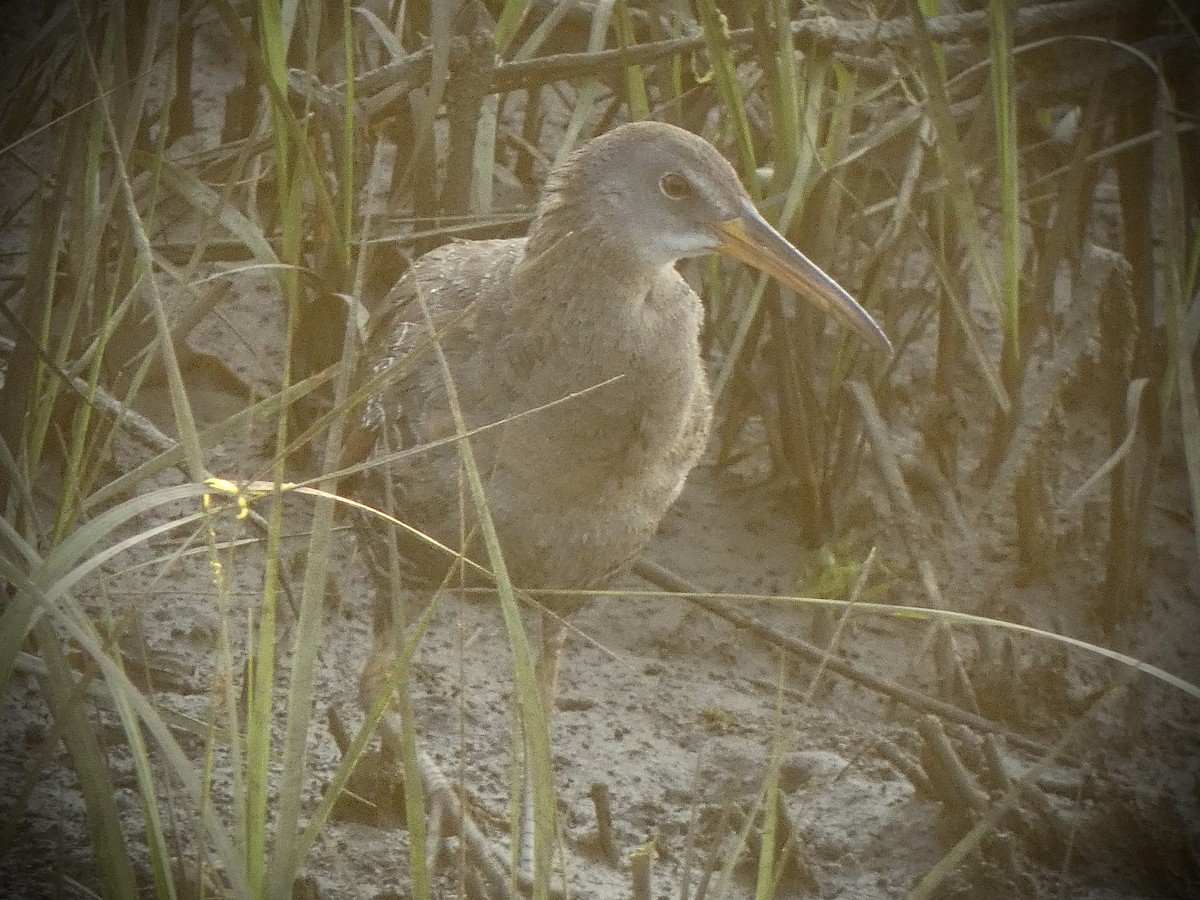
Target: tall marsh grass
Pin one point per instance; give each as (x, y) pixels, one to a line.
(904, 154)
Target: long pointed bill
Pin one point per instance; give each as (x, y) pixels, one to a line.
(751, 239)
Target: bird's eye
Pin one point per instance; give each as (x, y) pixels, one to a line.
(675, 186)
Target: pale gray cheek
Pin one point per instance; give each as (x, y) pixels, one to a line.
(668, 246)
(684, 245)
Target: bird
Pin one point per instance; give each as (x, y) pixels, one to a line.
(576, 350)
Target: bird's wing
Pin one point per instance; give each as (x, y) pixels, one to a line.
(459, 290)
(460, 284)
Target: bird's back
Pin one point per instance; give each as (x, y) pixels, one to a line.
(595, 422)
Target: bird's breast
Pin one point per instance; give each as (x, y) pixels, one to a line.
(594, 411)
(579, 490)
(617, 396)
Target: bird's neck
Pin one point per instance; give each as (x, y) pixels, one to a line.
(599, 311)
(580, 264)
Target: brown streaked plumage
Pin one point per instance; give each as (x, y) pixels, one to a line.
(589, 296)
(587, 307)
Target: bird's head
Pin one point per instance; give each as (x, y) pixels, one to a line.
(667, 194)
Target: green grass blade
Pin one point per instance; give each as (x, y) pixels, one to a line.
(961, 196)
(508, 23)
(1004, 108)
(783, 77)
(210, 204)
(58, 574)
(1186, 334)
(184, 421)
(159, 850)
(538, 36)
(394, 685)
(635, 78)
(173, 454)
(78, 627)
(302, 679)
(724, 71)
(534, 717)
(88, 759)
(1181, 300)
(586, 97)
(799, 187)
(767, 882)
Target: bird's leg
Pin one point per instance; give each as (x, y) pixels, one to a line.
(446, 813)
